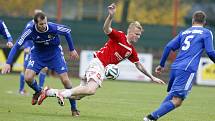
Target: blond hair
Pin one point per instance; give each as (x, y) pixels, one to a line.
(135, 24)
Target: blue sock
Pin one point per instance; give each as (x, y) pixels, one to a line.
(163, 109)
(168, 97)
(34, 86)
(42, 77)
(21, 82)
(73, 104)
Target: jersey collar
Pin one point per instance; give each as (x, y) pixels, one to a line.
(40, 31)
(197, 26)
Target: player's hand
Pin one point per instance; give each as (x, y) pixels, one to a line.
(6, 69)
(159, 70)
(157, 80)
(112, 9)
(9, 44)
(73, 55)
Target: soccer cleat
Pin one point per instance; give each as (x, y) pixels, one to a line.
(35, 98)
(23, 92)
(43, 95)
(60, 99)
(75, 113)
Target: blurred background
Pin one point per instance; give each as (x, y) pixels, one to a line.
(161, 20)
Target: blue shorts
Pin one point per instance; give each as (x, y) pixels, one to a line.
(180, 83)
(57, 64)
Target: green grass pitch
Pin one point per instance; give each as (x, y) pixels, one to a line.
(115, 101)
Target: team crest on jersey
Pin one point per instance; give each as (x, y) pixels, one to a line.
(50, 36)
(127, 54)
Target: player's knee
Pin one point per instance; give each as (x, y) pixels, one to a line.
(177, 101)
(28, 78)
(45, 69)
(91, 91)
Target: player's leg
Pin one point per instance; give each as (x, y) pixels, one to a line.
(68, 85)
(92, 80)
(42, 76)
(32, 83)
(183, 82)
(21, 83)
(22, 79)
(34, 66)
(89, 89)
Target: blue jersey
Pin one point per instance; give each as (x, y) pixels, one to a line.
(46, 44)
(190, 43)
(4, 31)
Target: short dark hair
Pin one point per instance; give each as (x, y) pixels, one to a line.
(199, 17)
(40, 15)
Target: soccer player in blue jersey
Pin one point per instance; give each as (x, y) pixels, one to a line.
(46, 52)
(190, 45)
(6, 34)
(27, 47)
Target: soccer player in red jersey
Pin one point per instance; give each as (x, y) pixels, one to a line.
(118, 47)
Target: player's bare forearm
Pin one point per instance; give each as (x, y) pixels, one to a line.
(107, 25)
(141, 68)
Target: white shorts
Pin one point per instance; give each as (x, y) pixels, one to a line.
(95, 71)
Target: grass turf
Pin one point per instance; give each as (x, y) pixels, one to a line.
(115, 101)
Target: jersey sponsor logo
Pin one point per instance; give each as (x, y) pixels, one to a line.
(39, 40)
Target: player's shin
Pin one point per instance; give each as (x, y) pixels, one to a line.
(42, 77)
(66, 93)
(34, 86)
(22, 83)
(163, 109)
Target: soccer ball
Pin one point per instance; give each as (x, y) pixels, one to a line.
(111, 71)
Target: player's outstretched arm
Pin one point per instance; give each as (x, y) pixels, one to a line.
(141, 68)
(107, 25)
(15, 48)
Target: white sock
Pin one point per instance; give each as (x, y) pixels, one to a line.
(51, 92)
(66, 93)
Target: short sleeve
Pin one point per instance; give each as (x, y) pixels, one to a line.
(116, 35)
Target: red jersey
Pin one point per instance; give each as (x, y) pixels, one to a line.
(116, 49)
